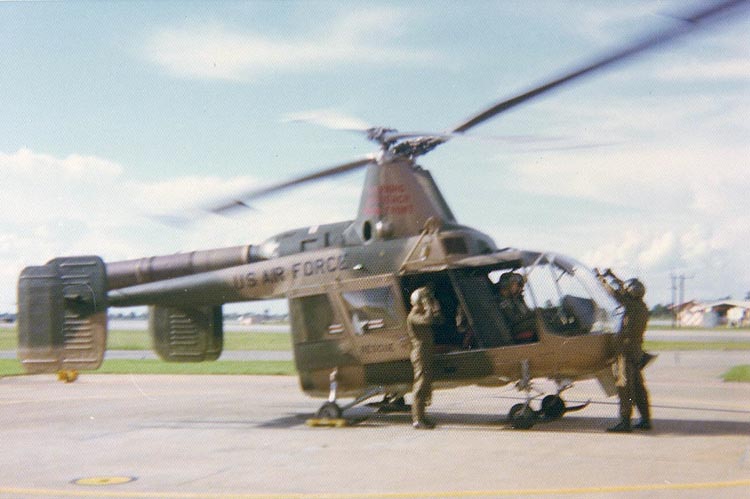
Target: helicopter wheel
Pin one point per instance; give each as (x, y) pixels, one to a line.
(521, 416)
(329, 410)
(553, 407)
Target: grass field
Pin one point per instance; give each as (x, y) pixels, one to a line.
(140, 340)
(11, 367)
(738, 373)
(662, 327)
(669, 346)
(274, 341)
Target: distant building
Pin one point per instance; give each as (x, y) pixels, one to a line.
(732, 313)
(248, 320)
(7, 318)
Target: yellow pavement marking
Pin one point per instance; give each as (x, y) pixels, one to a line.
(384, 495)
(103, 480)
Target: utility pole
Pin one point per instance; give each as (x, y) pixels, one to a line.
(674, 299)
(676, 319)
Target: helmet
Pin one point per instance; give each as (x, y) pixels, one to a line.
(504, 281)
(635, 288)
(419, 294)
(508, 278)
(516, 278)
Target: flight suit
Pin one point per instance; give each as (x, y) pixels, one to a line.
(630, 348)
(519, 318)
(420, 323)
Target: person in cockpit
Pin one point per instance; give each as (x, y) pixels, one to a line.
(519, 318)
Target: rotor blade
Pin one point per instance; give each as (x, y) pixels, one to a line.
(242, 199)
(328, 118)
(687, 24)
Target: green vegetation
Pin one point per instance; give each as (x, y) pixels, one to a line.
(8, 338)
(117, 366)
(660, 327)
(738, 373)
(140, 340)
(274, 341)
(670, 346)
(233, 340)
(11, 367)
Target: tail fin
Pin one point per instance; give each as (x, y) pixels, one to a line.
(62, 315)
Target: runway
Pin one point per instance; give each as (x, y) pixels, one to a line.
(150, 436)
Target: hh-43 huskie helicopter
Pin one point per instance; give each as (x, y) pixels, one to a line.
(348, 286)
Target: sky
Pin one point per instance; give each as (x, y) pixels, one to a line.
(113, 112)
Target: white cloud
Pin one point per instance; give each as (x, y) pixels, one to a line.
(660, 251)
(218, 52)
(672, 181)
(716, 266)
(28, 164)
(83, 205)
(37, 186)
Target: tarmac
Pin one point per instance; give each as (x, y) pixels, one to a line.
(211, 437)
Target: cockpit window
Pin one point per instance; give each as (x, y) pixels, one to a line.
(567, 295)
(371, 309)
(570, 299)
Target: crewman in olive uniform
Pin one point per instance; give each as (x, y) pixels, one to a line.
(424, 315)
(631, 387)
(519, 318)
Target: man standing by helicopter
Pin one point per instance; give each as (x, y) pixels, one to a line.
(424, 315)
(631, 388)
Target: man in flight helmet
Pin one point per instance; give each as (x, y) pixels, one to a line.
(635, 288)
(424, 315)
(631, 357)
(519, 318)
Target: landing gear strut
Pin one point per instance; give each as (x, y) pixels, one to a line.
(522, 416)
(553, 407)
(392, 402)
(331, 410)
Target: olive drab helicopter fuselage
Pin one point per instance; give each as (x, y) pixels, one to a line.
(348, 286)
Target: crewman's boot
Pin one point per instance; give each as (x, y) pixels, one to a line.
(424, 424)
(421, 421)
(643, 424)
(622, 427)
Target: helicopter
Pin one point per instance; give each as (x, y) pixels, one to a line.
(348, 286)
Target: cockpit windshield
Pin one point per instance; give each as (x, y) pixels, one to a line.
(566, 294)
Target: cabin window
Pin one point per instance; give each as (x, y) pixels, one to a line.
(455, 246)
(313, 318)
(371, 309)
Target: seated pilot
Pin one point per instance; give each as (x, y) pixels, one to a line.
(519, 318)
